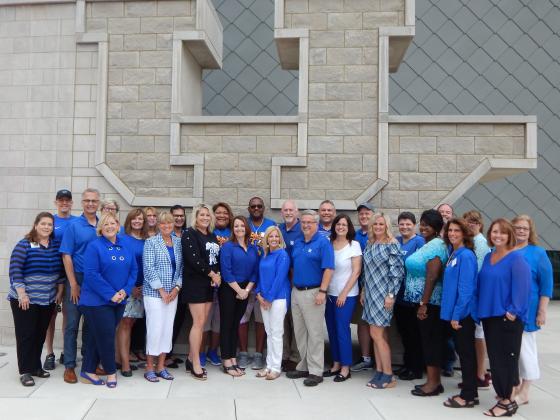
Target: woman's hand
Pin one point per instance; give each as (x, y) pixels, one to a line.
(455, 325)
(137, 292)
(422, 312)
(541, 317)
(165, 297)
(510, 317)
(341, 299)
(242, 294)
(173, 294)
(265, 304)
(389, 302)
(215, 279)
(117, 297)
(23, 302)
(362, 298)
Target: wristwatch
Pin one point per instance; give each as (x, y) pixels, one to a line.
(323, 291)
(178, 288)
(421, 303)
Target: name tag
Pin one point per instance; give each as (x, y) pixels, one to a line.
(454, 262)
(33, 244)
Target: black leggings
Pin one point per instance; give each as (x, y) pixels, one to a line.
(231, 312)
(503, 341)
(434, 333)
(407, 324)
(464, 344)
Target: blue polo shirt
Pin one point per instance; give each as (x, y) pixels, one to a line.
(60, 225)
(239, 265)
(310, 259)
(291, 236)
(76, 239)
(323, 232)
(362, 238)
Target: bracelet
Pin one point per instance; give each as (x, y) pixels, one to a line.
(323, 291)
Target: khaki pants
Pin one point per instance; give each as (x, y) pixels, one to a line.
(309, 320)
(289, 349)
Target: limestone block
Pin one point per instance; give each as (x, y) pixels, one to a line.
(138, 76)
(358, 180)
(373, 20)
(325, 144)
(316, 162)
(449, 180)
(315, 127)
(296, 6)
(316, 21)
(399, 199)
(138, 110)
(139, 42)
(493, 145)
(155, 58)
(163, 76)
(509, 130)
(326, 73)
(153, 161)
(123, 93)
(161, 144)
(122, 126)
(140, 8)
(319, 180)
(234, 129)
(285, 129)
(107, 9)
(123, 59)
(212, 179)
(394, 144)
(140, 144)
(274, 144)
(40, 158)
(113, 144)
(360, 73)
(84, 109)
(134, 178)
(475, 129)
(344, 194)
(123, 161)
(262, 179)
(173, 178)
(369, 163)
(38, 184)
(197, 144)
(22, 200)
(438, 130)
(214, 195)
(326, 109)
(360, 144)
(84, 143)
(303, 194)
(518, 146)
(437, 163)
(370, 55)
(403, 162)
(360, 109)
(294, 179)
(344, 21)
(153, 126)
(317, 56)
(240, 144)
(152, 192)
(155, 92)
(155, 25)
(344, 162)
(238, 179)
(344, 91)
(418, 144)
(458, 145)
(183, 23)
(359, 38)
(393, 181)
(348, 127)
(337, 56)
(164, 41)
(124, 25)
(114, 110)
(223, 161)
(115, 77)
(173, 8)
(255, 161)
(326, 39)
(96, 25)
(410, 181)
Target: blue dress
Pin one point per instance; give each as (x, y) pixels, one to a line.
(383, 274)
(416, 271)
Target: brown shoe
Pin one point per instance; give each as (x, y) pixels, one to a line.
(100, 372)
(70, 376)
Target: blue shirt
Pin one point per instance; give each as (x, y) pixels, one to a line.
(407, 249)
(171, 252)
(60, 225)
(362, 238)
(137, 246)
(310, 259)
(76, 238)
(108, 268)
(458, 298)
(273, 276)
(324, 232)
(504, 286)
(481, 248)
(542, 281)
(239, 265)
(291, 236)
(37, 269)
(257, 232)
(222, 235)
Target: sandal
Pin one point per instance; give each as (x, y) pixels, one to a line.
(199, 376)
(41, 374)
(26, 380)
(228, 370)
(272, 375)
(164, 374)
(151, 376)
(509, 409)
(384, 382)
(239, 369)
(263, 373)
(452, 402)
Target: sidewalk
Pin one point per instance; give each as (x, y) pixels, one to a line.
(225, 398)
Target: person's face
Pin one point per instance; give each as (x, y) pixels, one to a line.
(63, 205)
(455, 235)
(426, 231)
(327, 213)
(273, 240)
(110, 228)
(308, 225)
(379, 227)
(137, 223)
(151, 218)
(498, 238)
(341, 228)
(110, 208)
(474, 226)
(203, 219)
(364, 216)
(239, 229)
(222, 217)
(446, 212)
(522, 231)
(256, 208)
(166, 228)
(406, 228)
(179, 217)
(44, 227)
(90, 203)
(288, 212)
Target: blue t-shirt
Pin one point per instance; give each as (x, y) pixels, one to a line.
(76, 238)
(310, 259)
(137, 247)
(504, 286)
(362, 238)
(257, 232)
(108, 268)
(407, 249)
(171, 251)
(239, 265)
(458, 298)
(291, 236)
(273, 276)
(542, 281)
(60, 225)
(222, 235)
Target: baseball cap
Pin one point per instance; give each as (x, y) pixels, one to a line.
(63, 194)
(365, 206)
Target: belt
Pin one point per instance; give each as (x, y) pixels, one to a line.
(307, 287)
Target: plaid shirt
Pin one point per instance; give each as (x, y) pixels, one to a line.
(158, 271)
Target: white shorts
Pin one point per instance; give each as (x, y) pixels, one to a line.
(529, 357)
(253, 305)
(479, 331)
(159, 325)
(213, 320)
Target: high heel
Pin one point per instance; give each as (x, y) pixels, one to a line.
(510, 409)
(86, 379)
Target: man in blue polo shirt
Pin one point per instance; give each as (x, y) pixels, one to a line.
(313, 265)
(74, 243)
(327, 213)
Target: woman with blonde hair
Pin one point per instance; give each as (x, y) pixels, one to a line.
(541, 292)
(151, 221)
(273, 294)
(383, 275)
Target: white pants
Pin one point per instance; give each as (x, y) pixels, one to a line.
(273, 319)
(159, 325)
(528, 357)
(478, 331)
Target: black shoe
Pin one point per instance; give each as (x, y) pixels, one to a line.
(49, 362)
(188, 365)
(448, 373)
(312, 380)
(126, 373)
(341, 378)
(61, 359)
(329, 373)
(418, 392)
(296, 374)
(41, 374)
(400, 370)
(409, 375)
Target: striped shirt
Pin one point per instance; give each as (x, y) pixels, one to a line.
(37, 269)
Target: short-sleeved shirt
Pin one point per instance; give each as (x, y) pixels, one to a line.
(324, 232)
(407, 249)
(416, 271)
(291, 236)
(362, 238)
(222, 235)
(257, 232)
(343, 269)
(60, 225)
(310, 259)
(77, 237)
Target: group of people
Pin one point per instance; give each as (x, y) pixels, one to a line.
(451, 289)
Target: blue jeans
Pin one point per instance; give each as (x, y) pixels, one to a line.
(73, 315)
(100, 345)
(338, 327)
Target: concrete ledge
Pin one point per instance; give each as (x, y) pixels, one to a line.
(462, 119)
(91, 37)
(314, 204)
(235, 119)
(33, 2)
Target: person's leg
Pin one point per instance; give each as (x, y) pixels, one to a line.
(343, 316)
(314, 318)
(49, 339)
(334, 343)
(300, 329)
(71, 329)
(178, 321)
(383, 351)
(123, 342)
(91, 354)
(464, 342)
(228, 327)
(433, 344)
(480, 347)
(138, 337)
(44, 315)
(240, 307)
(199, 312)
(24, 322)
(275, 330)
(243, 330)
(528, 365)
(260, 333)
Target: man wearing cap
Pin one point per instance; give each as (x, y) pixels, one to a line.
(327, 213)
(76, 238)
(313, 266)
(63, 202)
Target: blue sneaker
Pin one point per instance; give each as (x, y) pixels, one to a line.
(213, 357)
(202, 359)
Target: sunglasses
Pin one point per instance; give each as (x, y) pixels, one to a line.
(256, 206)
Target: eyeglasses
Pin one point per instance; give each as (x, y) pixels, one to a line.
(473, 222)
(256, 206)
(90, 201)
(522, 228)
(178, 216)
(109, 209)
(308, 223)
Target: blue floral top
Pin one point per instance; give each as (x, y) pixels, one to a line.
(416, 271)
